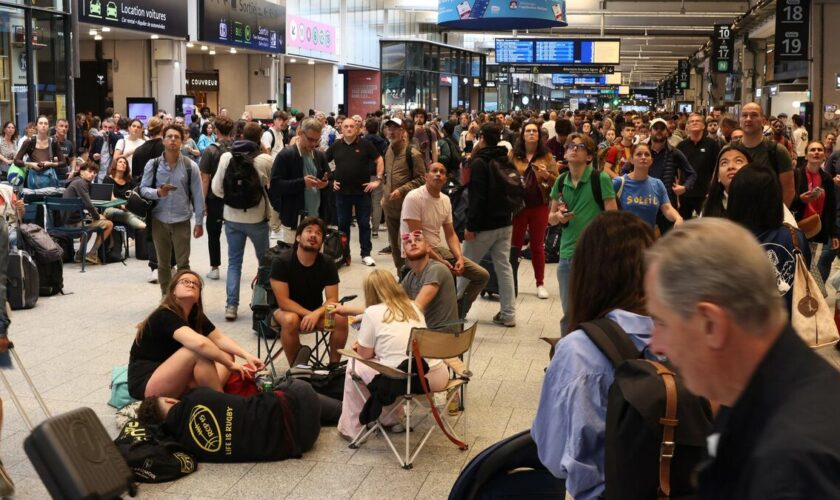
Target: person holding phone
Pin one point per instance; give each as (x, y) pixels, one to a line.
(175, 182)
(816, 197)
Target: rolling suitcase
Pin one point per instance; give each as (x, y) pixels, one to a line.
(72, 452)
(23, 281)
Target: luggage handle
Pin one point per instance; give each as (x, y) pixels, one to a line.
(35, 392)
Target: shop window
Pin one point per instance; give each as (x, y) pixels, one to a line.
(14, 90)
(50, 64)
(430, 57)
(393, 56)
(446, 61)
(393, 89)
(414, 55)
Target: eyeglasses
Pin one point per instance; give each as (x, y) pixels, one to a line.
(189, 283)
(576, 147)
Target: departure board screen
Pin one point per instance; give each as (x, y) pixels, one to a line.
(514, 51)
(555, 51)
(562, 79)
(599, 52)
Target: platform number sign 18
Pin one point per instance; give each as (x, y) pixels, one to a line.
(722, 48)
(793, 20)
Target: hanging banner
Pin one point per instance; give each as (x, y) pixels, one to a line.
(683, 72)
(163, 17)
(250, 24)
(723, 49)
(501, 14)
(305, 34)
(793, 24)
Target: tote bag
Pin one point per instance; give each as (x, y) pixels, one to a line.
(811, 317)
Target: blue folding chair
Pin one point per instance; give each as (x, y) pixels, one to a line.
(65, 207)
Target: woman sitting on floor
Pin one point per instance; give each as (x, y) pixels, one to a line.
(383, 335)
(178, 348)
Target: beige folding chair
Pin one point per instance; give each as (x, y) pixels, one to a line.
(429, 344)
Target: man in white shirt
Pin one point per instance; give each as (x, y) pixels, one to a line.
(800, 140)
(273, 140)
(425, 209)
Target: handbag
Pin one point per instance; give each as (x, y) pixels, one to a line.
(138, 205)
(810, 316)
(811, 226)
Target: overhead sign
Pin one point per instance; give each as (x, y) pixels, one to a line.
(202, 81)
(305, 34)
(250, 24)
(723, 49)
(501, 14)
(793, 22)
(683, 72)
(583, 69)
(557, 51)
(163, 17)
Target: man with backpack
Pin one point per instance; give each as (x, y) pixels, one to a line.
(726, 330)
(766, 152)
(274, 139)
(578, 196)
(241, 181)
(208, 166)
(404, 171)
(490, 215)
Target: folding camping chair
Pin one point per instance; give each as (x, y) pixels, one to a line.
(428, 344)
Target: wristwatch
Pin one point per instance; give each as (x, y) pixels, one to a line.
(380, 179)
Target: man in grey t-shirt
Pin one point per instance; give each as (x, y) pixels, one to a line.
(429, 283)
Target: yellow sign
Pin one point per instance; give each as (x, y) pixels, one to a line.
(204, 429)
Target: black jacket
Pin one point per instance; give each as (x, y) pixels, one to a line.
(674, 162)
(484, 212)
(286, 189)
(828, 217)
(781, 439)
(98, 141)
(149, 150)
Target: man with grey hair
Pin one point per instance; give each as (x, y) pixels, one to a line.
(719, 319)
(326, 131)
(298, 175)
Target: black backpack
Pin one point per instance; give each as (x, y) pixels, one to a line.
(243, 189)
(594, 184)
(656, 430)
(152, 456)
(337, 248)
(513, 188)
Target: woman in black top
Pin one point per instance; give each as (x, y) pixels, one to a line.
(120, 176)
(178, 348)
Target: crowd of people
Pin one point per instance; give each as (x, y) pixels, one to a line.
(457, 194)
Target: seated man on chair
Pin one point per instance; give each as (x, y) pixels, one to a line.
(429, 283)
(300, 284)
(80, 188)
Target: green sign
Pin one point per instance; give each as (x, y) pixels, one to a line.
(723, 66)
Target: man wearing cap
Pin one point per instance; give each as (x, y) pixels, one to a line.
(668, 162)
(405, 169)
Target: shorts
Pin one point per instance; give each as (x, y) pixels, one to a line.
(139, 373)
(94, 224)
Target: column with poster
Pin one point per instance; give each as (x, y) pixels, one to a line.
(363, 92)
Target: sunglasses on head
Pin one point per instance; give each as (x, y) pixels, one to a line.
(412, 236)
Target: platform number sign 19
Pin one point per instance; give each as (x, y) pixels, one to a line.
(722, 49)
(793, 20)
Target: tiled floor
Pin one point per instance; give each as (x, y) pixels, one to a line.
(70, 344)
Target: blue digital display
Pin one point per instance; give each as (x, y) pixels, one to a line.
(591, 80)
(555, 51)
(562, 80)
(587, 52)
(514, 51)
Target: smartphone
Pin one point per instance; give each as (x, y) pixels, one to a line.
(818, 190)
(569, 214)
(170, 187)
(464, 10)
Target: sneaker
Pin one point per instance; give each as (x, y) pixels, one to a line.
(508, 322)
(374, 235)
(153, 277)
(7, 486)
(92, 259)
(368, 261)
(542, 292)
(397, 428)
(385, 251)
(213, 274)
(230, 313)
(275, 235)
(78, 258)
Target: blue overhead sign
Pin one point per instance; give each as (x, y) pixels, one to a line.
(514, 51)
(501, 14)
(557, 51)
(554, 51)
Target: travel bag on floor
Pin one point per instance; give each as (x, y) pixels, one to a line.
(50, 278)
(72, 452)
(23, 282)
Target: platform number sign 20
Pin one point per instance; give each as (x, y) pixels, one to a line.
(722, 49)
(793, 20)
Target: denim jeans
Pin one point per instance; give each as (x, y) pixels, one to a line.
(124, 217)
(564, 272)
(344, 204)
(237, 234)
(826, 259)
(497, 242)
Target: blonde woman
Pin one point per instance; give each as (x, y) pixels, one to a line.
(386, 324)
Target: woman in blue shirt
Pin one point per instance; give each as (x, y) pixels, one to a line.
(570, 425)
(208, 136)
(641, 194)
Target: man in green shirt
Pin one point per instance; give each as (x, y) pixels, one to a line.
(574, 203)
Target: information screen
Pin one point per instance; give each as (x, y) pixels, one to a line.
(599, 52)
(555, 51)
(514, 51)
(562, 79)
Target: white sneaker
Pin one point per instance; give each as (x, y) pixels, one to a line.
(275, 235)
(153, 278)
(368, 261)
(542, 292)
(230, 313)
(213, 274)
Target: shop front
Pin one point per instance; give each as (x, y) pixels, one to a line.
(34, 79)
(436, 77)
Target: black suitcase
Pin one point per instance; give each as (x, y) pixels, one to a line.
(141, 246)
(50, 278)
(23, 284)
(72, 452)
